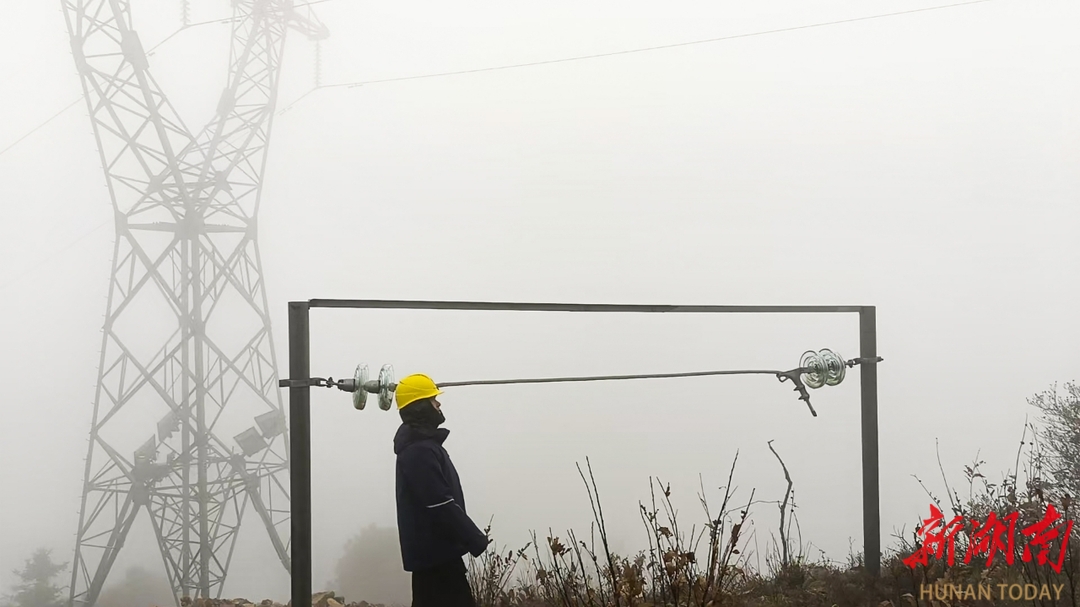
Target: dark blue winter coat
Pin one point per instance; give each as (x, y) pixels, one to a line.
(433, 526)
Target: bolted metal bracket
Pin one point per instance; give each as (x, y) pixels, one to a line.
(795, 375)
(864, 361)
(316, 382)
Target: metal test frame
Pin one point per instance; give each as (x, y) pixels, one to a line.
(300, 383)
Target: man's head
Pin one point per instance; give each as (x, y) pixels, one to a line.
(417, 402)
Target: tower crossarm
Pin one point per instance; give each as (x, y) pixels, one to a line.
(232, 148)
(139, 133)
(307, 24)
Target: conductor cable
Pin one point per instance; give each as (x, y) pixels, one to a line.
(816, 369)
(554, 380)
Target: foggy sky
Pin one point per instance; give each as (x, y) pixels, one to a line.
(925, 164)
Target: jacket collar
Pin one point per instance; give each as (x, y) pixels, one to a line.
(408, 434)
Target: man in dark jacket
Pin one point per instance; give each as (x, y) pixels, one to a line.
(433, 527)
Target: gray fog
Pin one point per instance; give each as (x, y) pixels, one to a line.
(926, 163)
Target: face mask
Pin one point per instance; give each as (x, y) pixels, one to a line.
(422, 414)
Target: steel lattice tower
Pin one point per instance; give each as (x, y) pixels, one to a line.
(187, 353)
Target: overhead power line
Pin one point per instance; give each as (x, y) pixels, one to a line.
(531, 63)
(40, 126)
(67, 107)
(644, 49)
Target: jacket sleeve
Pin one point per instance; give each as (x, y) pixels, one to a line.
(424, 478)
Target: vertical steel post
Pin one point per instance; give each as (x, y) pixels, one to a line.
(869, 407)
(300, 447)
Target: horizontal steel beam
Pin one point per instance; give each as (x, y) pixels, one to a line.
(391, 304)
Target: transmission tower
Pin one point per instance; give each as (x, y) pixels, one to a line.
(188, 424)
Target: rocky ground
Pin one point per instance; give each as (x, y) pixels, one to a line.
(319, 599)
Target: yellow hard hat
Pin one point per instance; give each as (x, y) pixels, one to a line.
(413, 388)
